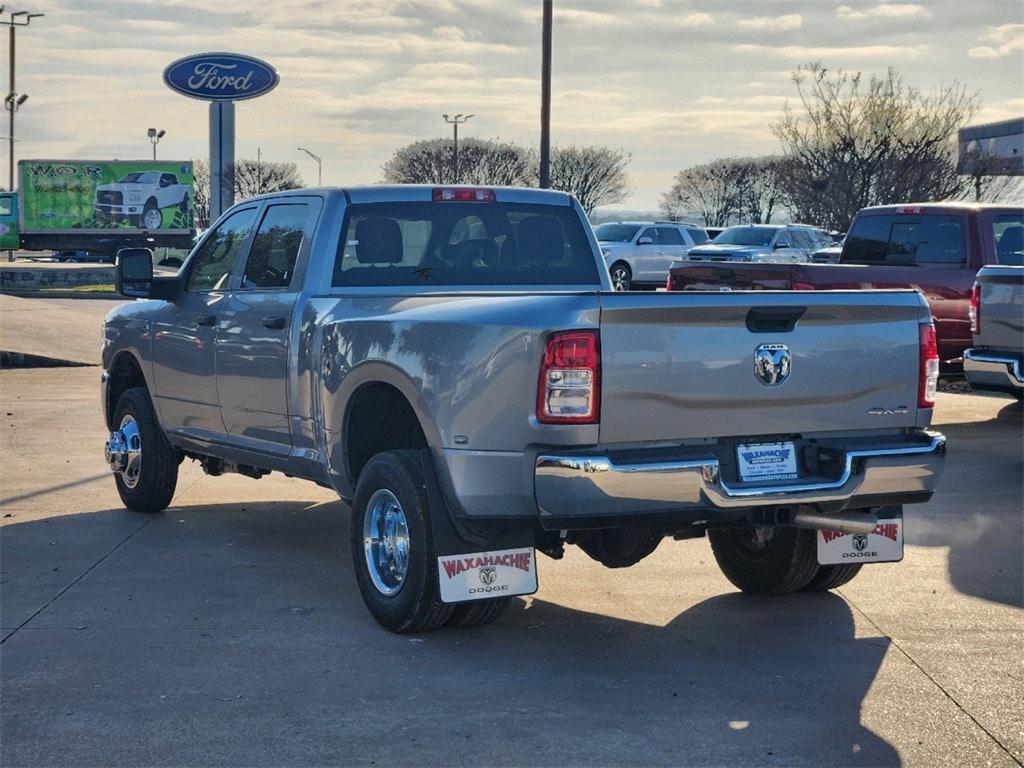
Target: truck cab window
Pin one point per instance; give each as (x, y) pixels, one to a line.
(1008, 231)
(217, 256)
(275, 247)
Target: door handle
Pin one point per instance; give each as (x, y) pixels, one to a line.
(275, 323)
(207, 320)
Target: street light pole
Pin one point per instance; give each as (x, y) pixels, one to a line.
(13, 100)
(319, 166)
(154, 138)
(545, 98)
(455, 122)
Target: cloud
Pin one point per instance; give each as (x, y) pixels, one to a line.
(774, 23)
(1007, 38)
(884, 11)
(833, 52)
(694, 20)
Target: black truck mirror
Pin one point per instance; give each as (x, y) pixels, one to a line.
(134, 272)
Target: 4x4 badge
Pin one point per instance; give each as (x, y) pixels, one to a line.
(772, 364)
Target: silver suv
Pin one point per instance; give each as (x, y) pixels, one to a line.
(639, 253)
(763, 243)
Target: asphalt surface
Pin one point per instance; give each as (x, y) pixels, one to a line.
(229, 630)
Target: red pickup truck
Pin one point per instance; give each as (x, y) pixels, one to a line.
(936, 248)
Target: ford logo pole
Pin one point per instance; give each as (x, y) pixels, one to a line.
(222, 79)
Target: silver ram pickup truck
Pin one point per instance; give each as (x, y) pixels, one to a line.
(995, 362)
(454, 363)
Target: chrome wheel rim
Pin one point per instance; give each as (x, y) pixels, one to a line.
(386, 542)
(127, 461)
(153, 218)
(620, 279)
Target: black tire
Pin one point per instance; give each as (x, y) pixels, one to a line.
(477, 613)
(783, 564)
(154, 487)
(621, 273)
(147, 209)
(832, 576)
(416, 605)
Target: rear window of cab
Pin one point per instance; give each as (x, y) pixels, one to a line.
(463, 243)
(907, 239)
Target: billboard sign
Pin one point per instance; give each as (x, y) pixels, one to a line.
(220, 76)
(77, 196)
(993, 149)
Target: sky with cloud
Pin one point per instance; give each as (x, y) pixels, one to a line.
(672, 82)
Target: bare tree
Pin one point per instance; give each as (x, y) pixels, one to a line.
(249, 178)
(854, 142)
(259, 178)
(201, 193)
(711, 190)
(431, 161)
(759, 182)
(594, 175)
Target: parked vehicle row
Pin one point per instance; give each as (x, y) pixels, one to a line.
(455, 364)
(775, 243)
(936, 249)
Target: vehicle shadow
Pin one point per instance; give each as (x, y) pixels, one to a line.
(241, 626)
(976, 511)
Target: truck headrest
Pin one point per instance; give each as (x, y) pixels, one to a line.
(379, 241)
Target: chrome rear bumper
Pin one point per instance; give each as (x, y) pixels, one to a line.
(988, 371)
(595, 486)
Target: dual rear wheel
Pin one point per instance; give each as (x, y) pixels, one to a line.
(763, 560)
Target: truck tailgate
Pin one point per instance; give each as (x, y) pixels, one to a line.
(682, 365)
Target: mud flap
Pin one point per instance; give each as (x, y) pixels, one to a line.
(477, 562)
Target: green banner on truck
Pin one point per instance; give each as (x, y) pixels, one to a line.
(78, 196)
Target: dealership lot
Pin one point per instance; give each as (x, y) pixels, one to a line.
(229, 629)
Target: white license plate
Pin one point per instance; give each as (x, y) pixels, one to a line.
(883, 545)
(766, 461)
(477, 576)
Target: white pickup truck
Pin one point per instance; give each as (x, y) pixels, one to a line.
(141, 198)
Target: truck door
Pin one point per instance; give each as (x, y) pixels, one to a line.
(184, 331)
(648, 253)
(254, 333)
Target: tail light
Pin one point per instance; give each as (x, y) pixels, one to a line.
(463, 195)
(928, 379)
(668, 282)
(974, 312)
(799, 285)
(569, 391)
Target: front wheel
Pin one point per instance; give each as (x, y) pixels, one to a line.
(152, 217)
(621, 276)
(392, 545)
(766, 560)
(145, 465)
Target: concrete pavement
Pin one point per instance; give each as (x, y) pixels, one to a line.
(229, 631)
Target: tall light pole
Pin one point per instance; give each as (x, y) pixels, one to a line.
(319, 166)
(154, 138)
(13, 100)
(455, 122)
(545, 98)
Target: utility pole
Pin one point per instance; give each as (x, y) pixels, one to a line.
(259, 170)
(455, 122)
(545, 98)
(319, 166)
(13, 100)
(154, 138)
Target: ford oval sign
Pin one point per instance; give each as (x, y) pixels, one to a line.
(220, 76)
